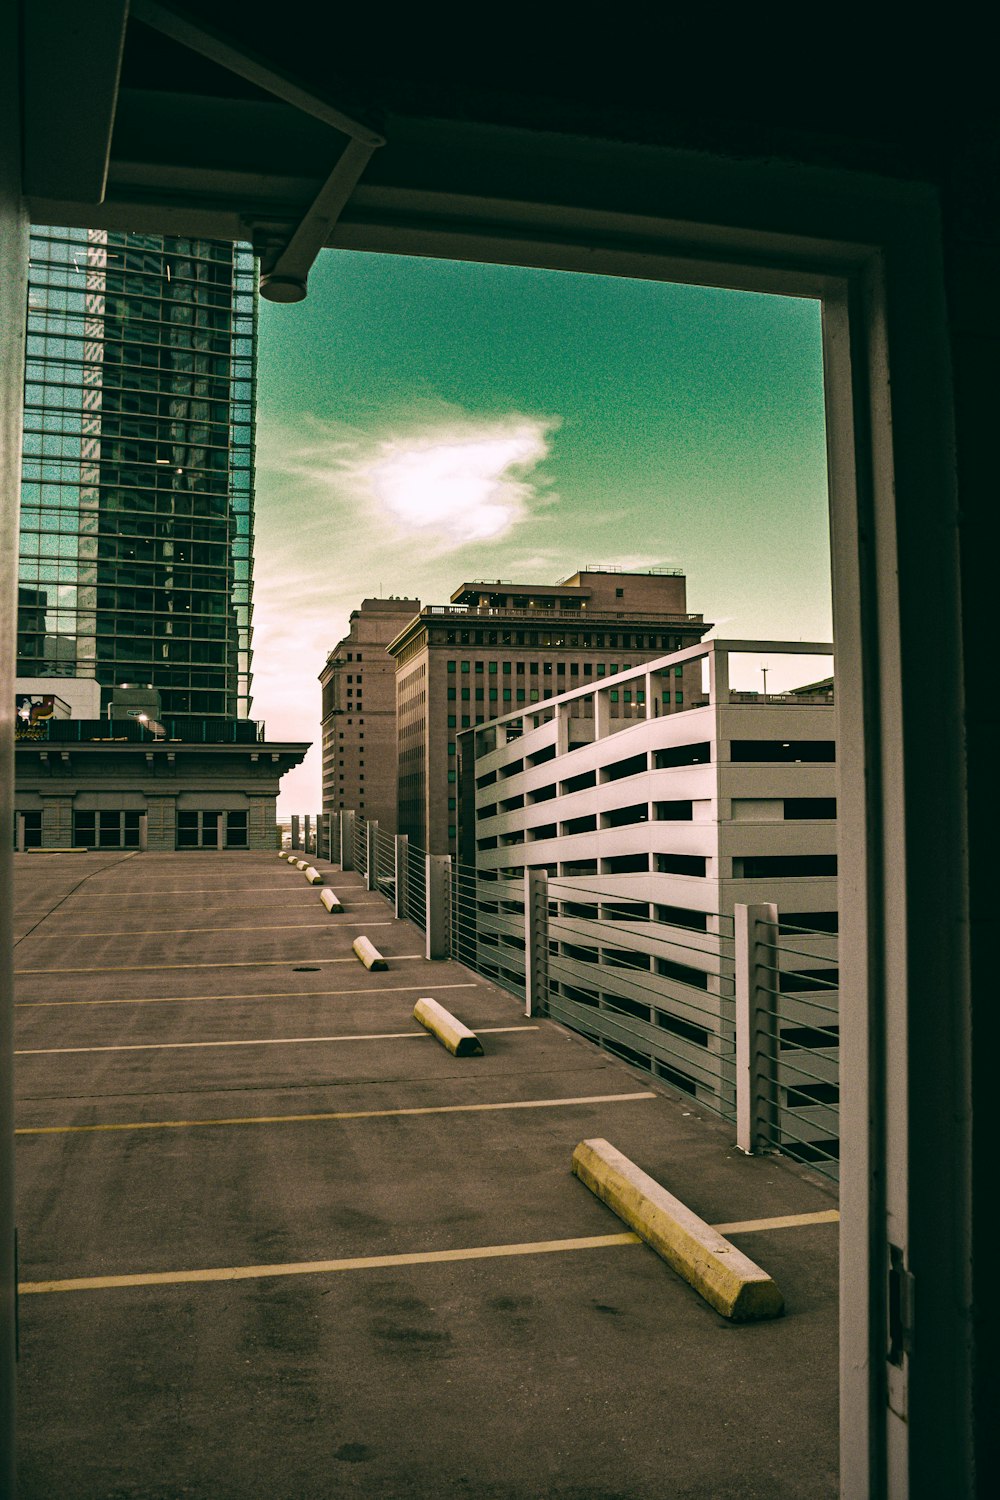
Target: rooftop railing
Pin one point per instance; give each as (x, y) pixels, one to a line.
(740, 1013)
(184, 729)
(564, 615)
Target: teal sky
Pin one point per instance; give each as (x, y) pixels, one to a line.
(424, 422)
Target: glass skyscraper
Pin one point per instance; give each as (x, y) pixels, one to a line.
(137, 499)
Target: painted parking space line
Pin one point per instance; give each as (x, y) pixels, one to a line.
(385, 1262)
(349, 1114)
(784, 1221)
(267, 1041)
(250, 963)
(201, 890)
(254, 927)
(319, 1267)
(135, 932)
(387, 989)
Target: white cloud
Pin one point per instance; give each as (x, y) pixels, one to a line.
(343, 514)
(466, 483)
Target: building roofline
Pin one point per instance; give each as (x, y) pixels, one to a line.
(602, 618)
(657, 663)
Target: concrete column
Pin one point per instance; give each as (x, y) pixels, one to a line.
(295, 831)
(307, 834)
(143, 832)
(562, 729)
(438, 904)
(20, 833)
(602, 714)
(57, 820)
(718, 676)
(536, 942)
(756, 1027)
(220, 832)
(161, 817)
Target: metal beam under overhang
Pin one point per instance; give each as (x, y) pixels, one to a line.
(72, 62)
(285, 264)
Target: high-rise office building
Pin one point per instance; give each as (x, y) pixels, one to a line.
(359, 713)
(137, 497)
(499, 645)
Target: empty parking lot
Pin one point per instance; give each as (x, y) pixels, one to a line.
(276, 1241)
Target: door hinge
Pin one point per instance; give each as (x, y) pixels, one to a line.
(900, 1307)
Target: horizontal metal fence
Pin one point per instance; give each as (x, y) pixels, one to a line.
(741, 1015)
(487, 926)
(385, 864)
(416, 886)
(360, 845)
(798, 1009)
(657, 995)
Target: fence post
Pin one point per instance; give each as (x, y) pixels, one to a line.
(346, 840)
(437, 886)
(756, 929)
(295, 830)
(20, 833)
(306, 830)
(536, 942)
(371, 855)
(402, 873)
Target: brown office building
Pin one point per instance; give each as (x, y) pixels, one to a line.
(359, 713)
(498, 645)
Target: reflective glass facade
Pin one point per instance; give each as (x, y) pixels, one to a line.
(137, 497)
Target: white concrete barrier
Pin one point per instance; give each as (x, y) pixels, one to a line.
(450, 1031)
(369, 955)
(312, 875)
(330, 901)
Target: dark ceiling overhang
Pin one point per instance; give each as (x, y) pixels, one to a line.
(306, 125)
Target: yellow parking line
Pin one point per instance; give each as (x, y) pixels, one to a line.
(350, 1114)
(203, 890)
(260, 963)
(134, 932)
(267, 1041)
(785, 1221)
(318, 1267)
(388, 989)
(383, 1262)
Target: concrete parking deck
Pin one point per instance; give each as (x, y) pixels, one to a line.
(275, 1241)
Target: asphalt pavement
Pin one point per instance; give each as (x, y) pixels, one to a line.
(275, 1241)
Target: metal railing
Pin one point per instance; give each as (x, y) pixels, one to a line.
(804, 991)
(741, 1013)
(385, 864)
(788, 984)
(179, 729)
(658, 995)
(488, 926)
(332, 841)
(361, 846)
